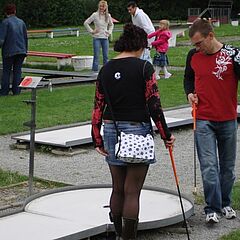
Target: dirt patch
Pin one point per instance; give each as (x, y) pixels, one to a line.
(14, 196)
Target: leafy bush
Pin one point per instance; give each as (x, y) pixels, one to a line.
(48, 13)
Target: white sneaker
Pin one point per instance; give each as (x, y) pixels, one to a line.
(167, 75)
(228, 212)
(212, 218)
(157, 77)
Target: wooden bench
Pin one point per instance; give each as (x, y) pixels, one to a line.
(50, 32)
(62, 58)
(55, 73)
(68, 31)
(47, 31)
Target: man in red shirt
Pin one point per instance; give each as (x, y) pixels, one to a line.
(210, 81)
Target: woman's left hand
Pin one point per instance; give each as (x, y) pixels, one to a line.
(102, 151)
(170, 142)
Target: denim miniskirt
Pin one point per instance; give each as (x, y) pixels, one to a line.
(160, 59)
(110, 138)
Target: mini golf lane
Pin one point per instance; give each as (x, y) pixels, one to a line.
(82, 211)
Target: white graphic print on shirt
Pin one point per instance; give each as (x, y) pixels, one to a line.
(222, 60)
(117, 75)
(237, 58)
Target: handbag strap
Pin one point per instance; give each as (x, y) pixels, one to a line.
(110, 108)
(144, 66)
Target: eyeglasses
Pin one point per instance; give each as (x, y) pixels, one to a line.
(198, 44)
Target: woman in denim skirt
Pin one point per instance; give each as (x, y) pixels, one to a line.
(129, 85)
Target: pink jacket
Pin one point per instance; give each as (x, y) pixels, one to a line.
(161, 41)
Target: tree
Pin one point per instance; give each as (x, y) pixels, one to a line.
(47, 13)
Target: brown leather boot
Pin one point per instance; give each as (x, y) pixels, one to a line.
(117, 221)
(129, 229)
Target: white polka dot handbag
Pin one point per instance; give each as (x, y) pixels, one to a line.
(134, 148)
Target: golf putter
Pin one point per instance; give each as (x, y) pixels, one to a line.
(178, 188)
(194, 147)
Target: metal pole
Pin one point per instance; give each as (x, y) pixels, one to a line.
(32, 141)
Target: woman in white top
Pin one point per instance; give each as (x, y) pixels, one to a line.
(103, 27)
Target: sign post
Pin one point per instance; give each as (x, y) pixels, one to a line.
(31, 83)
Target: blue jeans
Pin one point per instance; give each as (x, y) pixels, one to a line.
(216, 146)
(97, 43)
(15, 62)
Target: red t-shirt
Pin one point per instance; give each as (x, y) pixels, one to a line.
(215, 83)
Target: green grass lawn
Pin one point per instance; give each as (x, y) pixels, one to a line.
(82, 45)
(222, 31)
(236, 196)
(227, 30)
(177, 55)
(71, 104)
(235, 235)
(8, 178)
(62, 106)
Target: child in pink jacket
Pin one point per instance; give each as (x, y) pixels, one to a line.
(160, 60)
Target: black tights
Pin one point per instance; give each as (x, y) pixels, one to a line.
(127, 183)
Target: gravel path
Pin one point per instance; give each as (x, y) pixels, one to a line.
(90, 168)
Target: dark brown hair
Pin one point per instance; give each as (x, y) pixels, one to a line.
(10, 8)
(133, 38)
(132, 4)
(202, 26)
